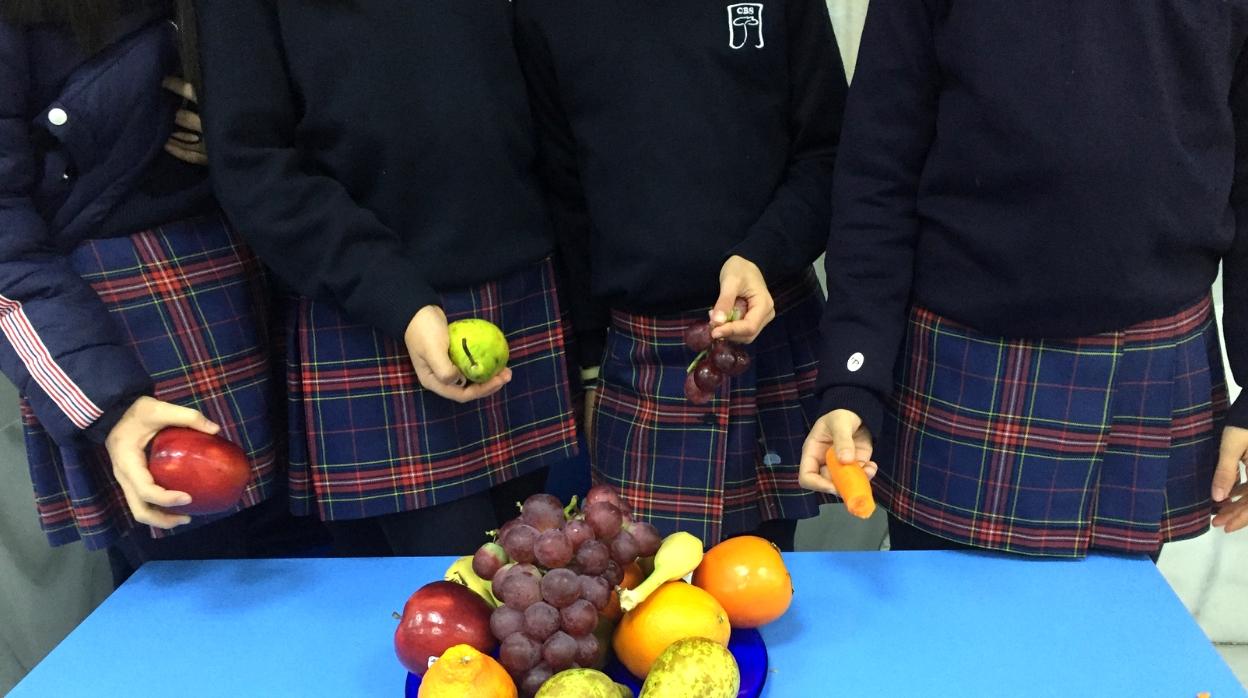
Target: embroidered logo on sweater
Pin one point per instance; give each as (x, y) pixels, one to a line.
(745, 25)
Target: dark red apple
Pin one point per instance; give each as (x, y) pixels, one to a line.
(437, 617)
(211, 469)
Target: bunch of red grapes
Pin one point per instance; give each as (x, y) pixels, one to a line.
(716, 359)
(554, 572)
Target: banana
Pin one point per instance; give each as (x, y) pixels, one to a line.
(678, 556)
(461, 572)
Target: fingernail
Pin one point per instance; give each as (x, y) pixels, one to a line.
(183, 501)
(1219, 493)
(845, 456)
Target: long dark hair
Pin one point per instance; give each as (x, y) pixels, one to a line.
(91, 20)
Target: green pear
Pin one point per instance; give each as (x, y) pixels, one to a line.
(478, 349)
(694, 666)
(582, 683)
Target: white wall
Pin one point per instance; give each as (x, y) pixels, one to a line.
(44, 592)
(847, 16)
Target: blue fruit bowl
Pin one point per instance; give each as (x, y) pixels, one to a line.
(746, 646)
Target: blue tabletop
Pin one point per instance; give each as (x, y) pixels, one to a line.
(862, 624)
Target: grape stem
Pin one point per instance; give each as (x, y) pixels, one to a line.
(570, 509)
(701, 355)
(395, 615)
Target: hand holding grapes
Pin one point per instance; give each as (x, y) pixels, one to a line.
(716, 359)
(740, 279)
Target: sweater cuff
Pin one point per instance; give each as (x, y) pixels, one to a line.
(100, 429)
(389, 296)
(862, 402)
(766, 254)
(1237, 415)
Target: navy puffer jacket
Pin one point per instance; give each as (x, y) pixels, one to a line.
(77, 134)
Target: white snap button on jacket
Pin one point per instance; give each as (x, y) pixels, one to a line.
(855, 362)
(58, 117)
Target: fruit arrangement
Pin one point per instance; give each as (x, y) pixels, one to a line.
(554, 569)
(716, 359)
(559, 589)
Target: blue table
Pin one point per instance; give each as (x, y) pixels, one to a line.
(861, 624)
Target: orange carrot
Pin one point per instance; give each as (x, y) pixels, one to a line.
(852, 484)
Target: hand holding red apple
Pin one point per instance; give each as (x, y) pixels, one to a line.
(149, 502)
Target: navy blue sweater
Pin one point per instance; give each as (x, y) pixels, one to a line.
(1036, 168)
(676, 134)
(373, 152)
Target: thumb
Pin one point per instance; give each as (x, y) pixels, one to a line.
(729, 290)
(1227, 474)
(442, 368)
(178, 416)
(843, 437)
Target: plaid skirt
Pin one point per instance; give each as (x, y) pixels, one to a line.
(192, 302)
(366, 439)
(1055, 447)
(719, 469)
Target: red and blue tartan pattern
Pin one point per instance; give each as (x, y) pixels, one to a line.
(712, 470)
(1056, 447)
(192, 302)
(367, 439)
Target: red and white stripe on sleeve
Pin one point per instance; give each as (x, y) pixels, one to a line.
(43, 368)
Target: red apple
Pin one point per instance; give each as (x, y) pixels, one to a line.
(437, 617)
(209, 468)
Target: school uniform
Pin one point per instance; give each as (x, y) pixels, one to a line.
(1031, 206)
(675, 135)
(379, 156)
(117, 277)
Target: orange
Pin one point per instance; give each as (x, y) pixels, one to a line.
(673, 612)
(748, 576)
(463, 671)
(633, 575)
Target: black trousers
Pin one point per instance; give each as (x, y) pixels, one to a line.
(263, 531)
(454, 528)
(779, 531)
(459, 527)
(903, 536)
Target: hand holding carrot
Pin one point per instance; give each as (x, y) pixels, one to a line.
(839, 446)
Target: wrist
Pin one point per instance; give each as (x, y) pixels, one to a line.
(102, 430)
(423, 315)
